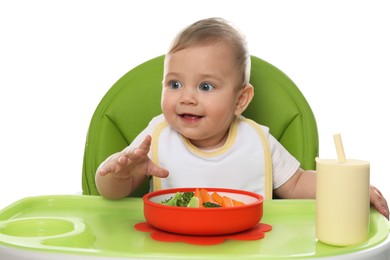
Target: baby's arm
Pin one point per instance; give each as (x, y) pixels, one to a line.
(302, 185)
(121, 173)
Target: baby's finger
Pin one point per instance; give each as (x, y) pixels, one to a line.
(114, 163)
(154, 170)
(145, 145)
(382, 207)
(379, 202)
(132, 154)
(143, 149)
(105, 169)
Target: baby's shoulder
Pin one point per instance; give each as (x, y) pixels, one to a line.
(157, 120)
(246, 122)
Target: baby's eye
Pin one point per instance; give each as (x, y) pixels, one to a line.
(206, 87)
(175, 84)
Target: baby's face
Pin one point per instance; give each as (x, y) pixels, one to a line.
(200, 91)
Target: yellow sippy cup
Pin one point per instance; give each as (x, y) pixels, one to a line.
(342, 199)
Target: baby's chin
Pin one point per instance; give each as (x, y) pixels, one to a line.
(191, 139)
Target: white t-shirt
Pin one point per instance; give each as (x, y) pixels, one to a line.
(250, 158)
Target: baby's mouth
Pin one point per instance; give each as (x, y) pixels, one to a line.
(190, 117)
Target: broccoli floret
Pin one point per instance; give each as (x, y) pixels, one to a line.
(179, 199)
(185, 199)
(172, 201)
(211, 205)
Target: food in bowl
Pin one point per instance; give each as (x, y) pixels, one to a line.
(201, 198)
(200, 220)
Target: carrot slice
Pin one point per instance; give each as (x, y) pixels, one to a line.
(198, 194)
(237, 203)
(217, 198)
(206, 197)
(227, 202)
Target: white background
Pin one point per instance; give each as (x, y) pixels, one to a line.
(58, 59)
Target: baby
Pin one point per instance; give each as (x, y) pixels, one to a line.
(201, 139)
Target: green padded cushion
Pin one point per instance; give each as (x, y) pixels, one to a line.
(134, 99)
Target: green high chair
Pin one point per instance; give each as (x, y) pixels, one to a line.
(134, 99)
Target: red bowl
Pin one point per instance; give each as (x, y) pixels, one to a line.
(203, 221)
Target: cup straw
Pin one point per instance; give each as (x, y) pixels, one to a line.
(339, 148)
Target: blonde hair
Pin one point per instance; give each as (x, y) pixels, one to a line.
(211, 31)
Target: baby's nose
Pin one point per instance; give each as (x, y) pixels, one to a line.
(189, 96)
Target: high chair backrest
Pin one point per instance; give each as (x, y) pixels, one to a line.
(134, 99)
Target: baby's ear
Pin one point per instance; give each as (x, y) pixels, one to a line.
(245, 96)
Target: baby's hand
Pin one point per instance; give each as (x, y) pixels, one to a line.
(132, 162)
(378, 201)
